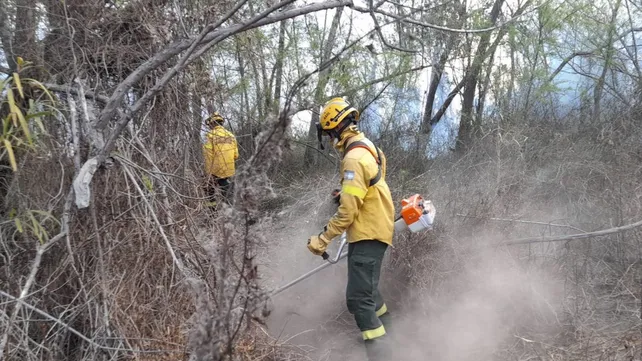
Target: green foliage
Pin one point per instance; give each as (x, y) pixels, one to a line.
(34, 223)
(22, 114)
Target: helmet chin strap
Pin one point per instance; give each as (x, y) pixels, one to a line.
(335, 133)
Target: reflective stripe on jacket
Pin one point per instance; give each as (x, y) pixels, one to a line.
(220, 151)
(364, 212)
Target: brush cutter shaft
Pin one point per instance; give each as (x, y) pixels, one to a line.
(308, 274)
(339, 256)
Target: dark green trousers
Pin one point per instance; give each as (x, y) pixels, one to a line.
(362, 294)
(218, 187)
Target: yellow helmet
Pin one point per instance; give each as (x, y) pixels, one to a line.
(334, 111)
(333, 114)
(216, 117)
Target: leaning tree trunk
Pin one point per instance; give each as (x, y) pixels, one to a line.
(278, 69)
(319, 93)
(466, 126)
(608, 58)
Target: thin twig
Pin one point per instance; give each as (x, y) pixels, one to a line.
(326, 156)
(383, 39)
(35, 267)
(177, 262)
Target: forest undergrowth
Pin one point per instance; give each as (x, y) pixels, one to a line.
(147, 272)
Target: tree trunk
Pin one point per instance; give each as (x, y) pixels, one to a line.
(5, 35)
(23, 42)
(608, 58)
(483, 86)
(276, 105)
(466, 126)
(245, 121)
(435, 78)
(540, 43)
(428, 121)
(513, 76)
(319, 93)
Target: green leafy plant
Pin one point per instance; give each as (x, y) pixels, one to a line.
(22, 113)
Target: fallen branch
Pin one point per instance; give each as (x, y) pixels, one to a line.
(522, 221)
(604, 232)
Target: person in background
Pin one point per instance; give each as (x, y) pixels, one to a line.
(220, 153)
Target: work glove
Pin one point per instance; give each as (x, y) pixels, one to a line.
(336, 196)
(318, 244)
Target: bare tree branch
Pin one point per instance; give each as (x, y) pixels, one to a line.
(383, 39)
(382, 79)
(177, 47)
(587, 53)
(443, 28)
(67, 88)
(177, 262)
(566, 61)
(185, 58)
(35, 267)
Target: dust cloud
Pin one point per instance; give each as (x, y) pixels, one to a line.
(474, 309)
(476, 314)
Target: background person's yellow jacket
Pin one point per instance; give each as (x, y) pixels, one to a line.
(220, 152)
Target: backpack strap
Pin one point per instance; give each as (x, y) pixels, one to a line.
(360, 144)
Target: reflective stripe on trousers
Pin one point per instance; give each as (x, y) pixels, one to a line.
(372, 334)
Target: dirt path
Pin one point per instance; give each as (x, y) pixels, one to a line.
(311, 314)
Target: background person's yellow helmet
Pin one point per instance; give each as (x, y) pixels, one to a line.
(334, 111)
(216, 117)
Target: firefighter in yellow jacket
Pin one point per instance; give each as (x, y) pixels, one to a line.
(220, 152)
(366, 214)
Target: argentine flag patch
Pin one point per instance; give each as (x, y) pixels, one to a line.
(348, 175)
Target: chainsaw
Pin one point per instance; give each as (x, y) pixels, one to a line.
(416, 215)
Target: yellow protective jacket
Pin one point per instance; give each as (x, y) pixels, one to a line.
(365, 212)
(220, 152)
